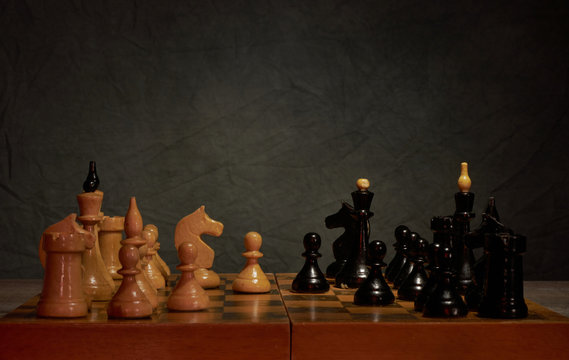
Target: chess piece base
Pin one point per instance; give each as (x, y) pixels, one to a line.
(252, 280)
(207, 278)
(67, 309)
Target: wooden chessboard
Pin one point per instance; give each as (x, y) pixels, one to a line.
(397, 331)
(282, 325)
(236, 326)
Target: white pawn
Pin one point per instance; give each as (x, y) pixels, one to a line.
(252, 279)
(188, 295)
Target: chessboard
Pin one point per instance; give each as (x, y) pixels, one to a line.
(236, 326)
(332, 324)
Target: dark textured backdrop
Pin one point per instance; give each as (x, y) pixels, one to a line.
(267, 113)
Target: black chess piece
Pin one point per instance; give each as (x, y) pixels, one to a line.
(417, 279)
(92, 181)
(401, 236)
(343, 245)
(354, 273)
(407, 267)
(463, 255)
(441, 226)
(503, 286)
(434, 276)
(475, 239)
(310, 279)
(445, 301)
(375, 291)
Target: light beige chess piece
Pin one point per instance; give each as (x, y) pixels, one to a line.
(147, 258)
(188, 295)
(62, 294)
(162, 266)
(129, 301)
(110, 237)
(252, 279)
(67, 225)
(133, 230)
(97, 282)
(190, 229)
(464, 182)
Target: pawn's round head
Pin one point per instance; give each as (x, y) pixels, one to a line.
(376, 251)
(422, 244)
(362, 184)
(128, 256)
(152, 228)
(414, 237)
(253, 241)
(149, 237)
(311, 241)
(402, 233)
(187, 253)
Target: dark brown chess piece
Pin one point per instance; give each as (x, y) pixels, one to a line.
(310, 279)
(375, 291)
(475, 239)
(445, 301)
(354, 273)
(417, 279)
(463, 255)
(434, 277)
(503, 287)
(342, 246)
(401, 239)
(92, 181)
(129, 301)
(407, 267)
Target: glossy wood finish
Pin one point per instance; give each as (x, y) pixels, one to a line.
(235, 326)
(252, 279)
(235, 319)
(188, 295)
(97, 282)
(310, 278)
(129, 302)
(398, 332)
(190, 229)
(110, 236)
(133, 230)
(62, 294)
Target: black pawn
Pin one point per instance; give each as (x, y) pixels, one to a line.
(401, 236)
(375, 291)
(408, 266)
(310, 279)
(445, 301)
(92, 181)
(417, 279)
(434, 268)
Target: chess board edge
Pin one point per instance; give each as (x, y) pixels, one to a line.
(356, 335)
(235, 326)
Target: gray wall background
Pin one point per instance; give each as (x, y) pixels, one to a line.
(267, 113)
